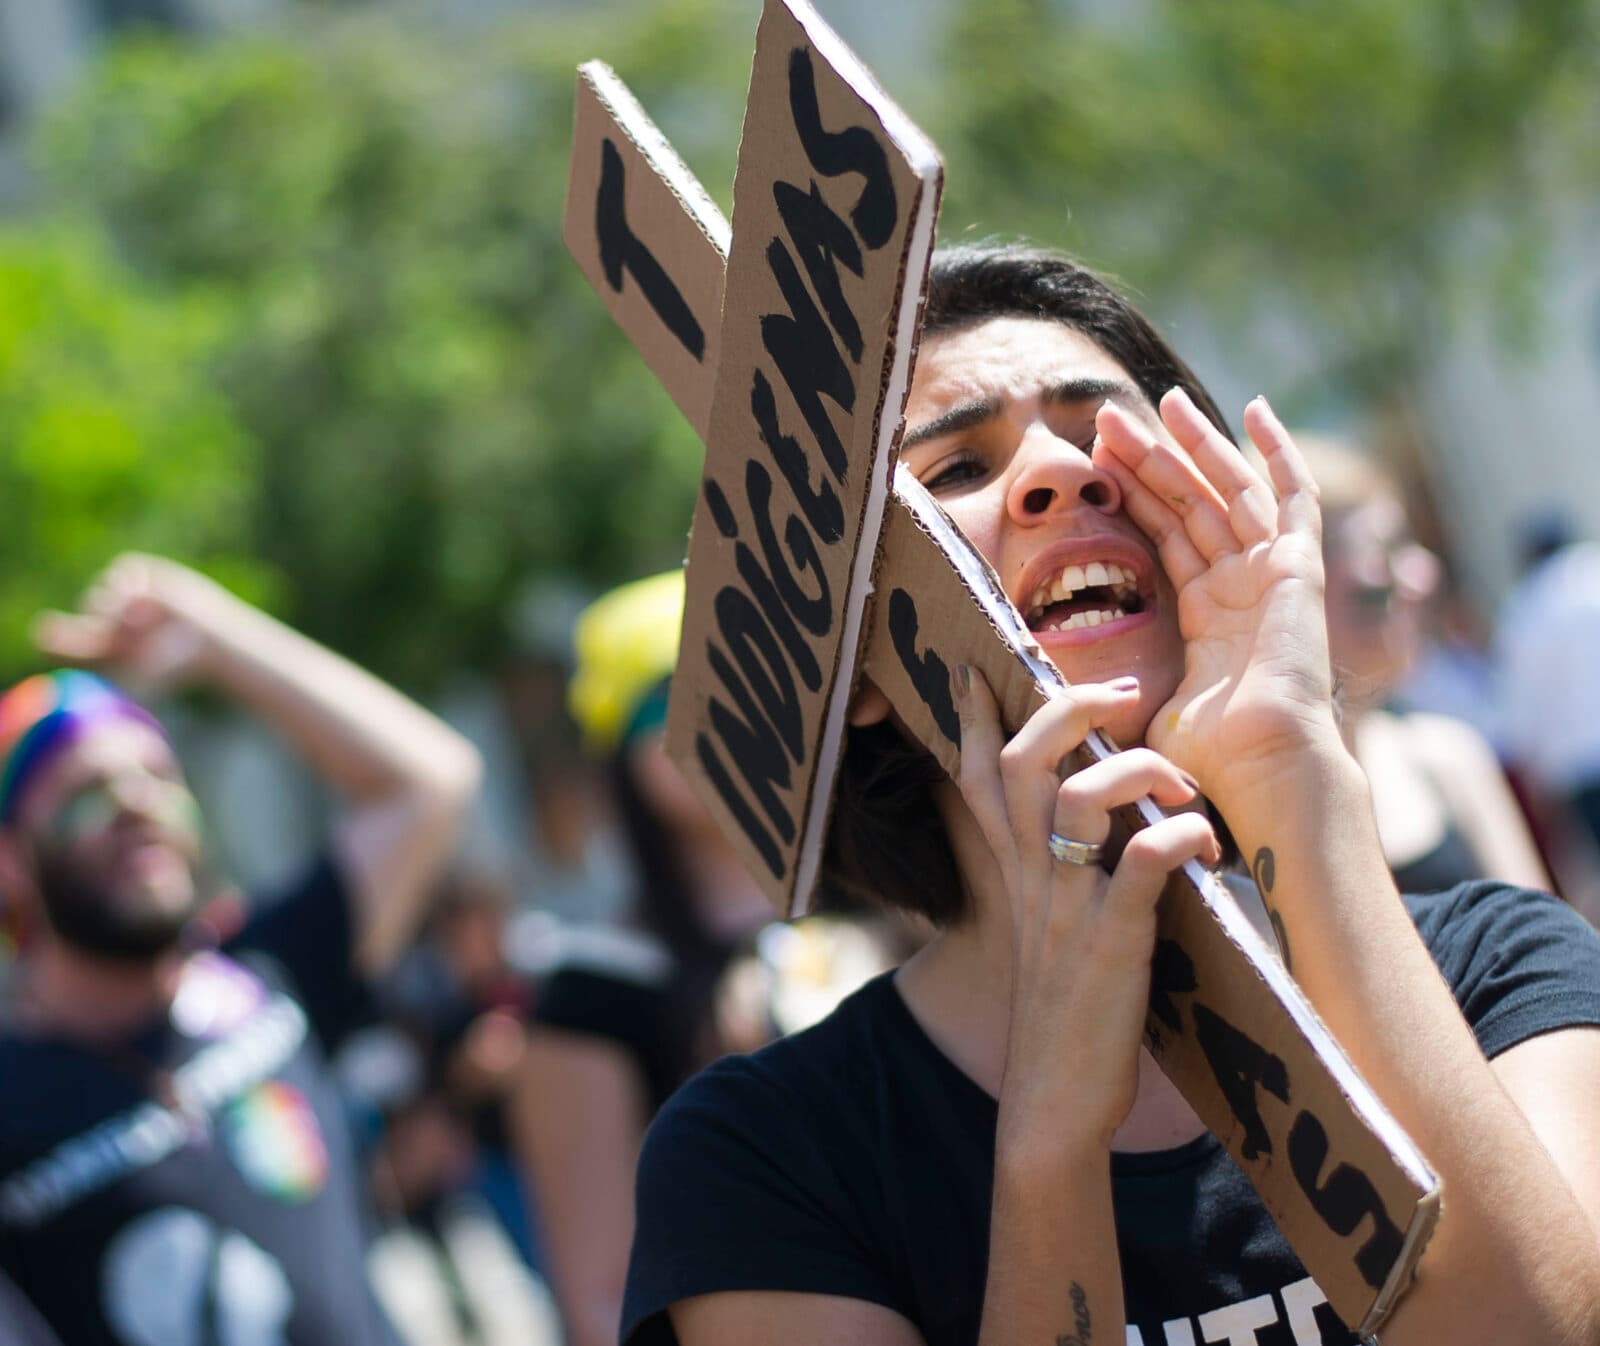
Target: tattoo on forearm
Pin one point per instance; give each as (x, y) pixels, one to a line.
(1079, 1336)
(1265, 870)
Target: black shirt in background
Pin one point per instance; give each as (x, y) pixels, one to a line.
(855, 1159)
(616, 985)
(232, 1216)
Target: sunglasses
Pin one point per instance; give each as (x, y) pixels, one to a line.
(96, 807)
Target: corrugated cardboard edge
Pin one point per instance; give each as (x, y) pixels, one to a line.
(634, 122)
(1424, 1221)
(1237, 927)
(923, 158)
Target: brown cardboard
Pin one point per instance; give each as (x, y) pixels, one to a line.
(937, 603)
(835, 196)
(648, 237)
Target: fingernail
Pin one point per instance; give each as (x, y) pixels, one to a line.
(1190, 781)
(960, 682)
(1124, 684)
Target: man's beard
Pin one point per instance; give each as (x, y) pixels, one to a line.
(84, 916)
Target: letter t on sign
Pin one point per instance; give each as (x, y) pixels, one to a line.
(808, 344)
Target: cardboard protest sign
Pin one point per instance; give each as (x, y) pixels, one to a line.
(651, 241)
(798, 396)
(835, 195)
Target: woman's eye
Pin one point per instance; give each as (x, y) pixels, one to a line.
(953, 473)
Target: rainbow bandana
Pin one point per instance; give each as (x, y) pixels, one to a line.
(46, 712)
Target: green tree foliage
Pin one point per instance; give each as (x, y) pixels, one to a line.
(110, 436)
(442, 408)
(1368, 164)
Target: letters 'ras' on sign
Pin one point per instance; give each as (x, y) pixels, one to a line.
(796, 383)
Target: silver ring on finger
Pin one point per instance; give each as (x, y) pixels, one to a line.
(1071, 852)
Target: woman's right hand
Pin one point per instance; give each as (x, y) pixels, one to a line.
(1081, 939)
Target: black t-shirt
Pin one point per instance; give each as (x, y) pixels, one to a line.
(855, 1159)
(195, 1186)
(1449, 861)
(616, 985)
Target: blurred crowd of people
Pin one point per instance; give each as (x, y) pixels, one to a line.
(396, 1063)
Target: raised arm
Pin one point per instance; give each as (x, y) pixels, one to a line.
(1080, 948)
(404, 776)
(1515, 1257)
(577, 1117)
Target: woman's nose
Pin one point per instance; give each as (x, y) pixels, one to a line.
(1056, 476)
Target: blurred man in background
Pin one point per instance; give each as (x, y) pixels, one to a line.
(174, 1168)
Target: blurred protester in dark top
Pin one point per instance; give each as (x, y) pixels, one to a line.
(457, 1261)
(175, 1166)
(458, 1010)
(1547, 651)
(1453, 673)
(627, 1014)
(1445, 812)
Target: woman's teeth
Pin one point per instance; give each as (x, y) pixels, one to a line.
(1120, 596)
(1091, 618)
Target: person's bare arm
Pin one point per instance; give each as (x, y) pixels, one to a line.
(1555, 1081)
(578, 1117)
(782, 1318)
(1515, 1256)
(1080, 979)
(405, 776)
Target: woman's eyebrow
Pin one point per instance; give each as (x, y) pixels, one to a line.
(1092, 390)
(967, 415)
(963, 416)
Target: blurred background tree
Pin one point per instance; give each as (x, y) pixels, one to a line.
(113, 436)
(1368, 169)
(434, 406)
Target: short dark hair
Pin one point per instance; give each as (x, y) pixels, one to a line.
(886, 840)
(978, 281)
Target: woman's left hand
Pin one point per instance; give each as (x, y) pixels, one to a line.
(1247, 569)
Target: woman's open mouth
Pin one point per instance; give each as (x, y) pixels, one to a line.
(1080, 596)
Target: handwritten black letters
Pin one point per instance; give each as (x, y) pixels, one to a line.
(770, 623)
(1244, 1069)
(622, 251)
